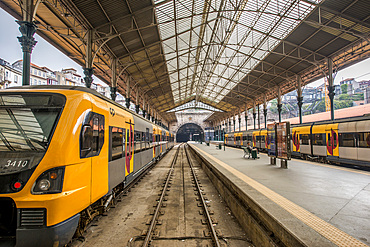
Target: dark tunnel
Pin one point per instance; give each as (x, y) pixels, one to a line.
(190, 132)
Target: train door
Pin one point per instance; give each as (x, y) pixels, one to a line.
(254, 138)
(295, 140)
(332, 140)
(129, 147)
(99, 156)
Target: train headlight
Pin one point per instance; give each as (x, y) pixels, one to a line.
(43, 184)
(49, 182)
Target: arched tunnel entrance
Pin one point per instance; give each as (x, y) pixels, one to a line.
(190, 132)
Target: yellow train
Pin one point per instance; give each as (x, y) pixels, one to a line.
(343, 141)
(63, 152)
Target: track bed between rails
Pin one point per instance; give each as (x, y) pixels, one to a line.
(181, 220)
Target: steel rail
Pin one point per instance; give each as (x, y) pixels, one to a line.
(209, 220)
(149, 234)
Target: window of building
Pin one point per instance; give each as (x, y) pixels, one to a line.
(43, 74)
(35, 82)
(15, 78)
(39, 73)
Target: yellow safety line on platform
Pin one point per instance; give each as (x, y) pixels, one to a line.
(327, 230)
(323, 165)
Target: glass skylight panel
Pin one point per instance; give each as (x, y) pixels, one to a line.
(238, 42)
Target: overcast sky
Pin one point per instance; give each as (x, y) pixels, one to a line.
(45, 54)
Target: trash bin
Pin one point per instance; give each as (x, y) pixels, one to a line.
(219, 146)
(207, 143)
(254, 153)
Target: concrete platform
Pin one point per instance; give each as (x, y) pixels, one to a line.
(333, 201)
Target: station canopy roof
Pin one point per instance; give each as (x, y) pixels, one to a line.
(223, 53)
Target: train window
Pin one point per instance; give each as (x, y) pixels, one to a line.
(92, 135)
(116, 143)
(244, 138)
(305, 139)
(147, 135)
(238, 138)
(364, 140)
(319, 139)
(347, 140)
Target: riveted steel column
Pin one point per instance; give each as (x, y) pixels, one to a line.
(265, 109)
(279, 105)
(113, 88)
(27, 29)
(229, 124)
(254, 114)
(299, 98)
(128, 92)
(259, 118)
(331, 87)
(148, 109)
(246, 117)
(240, 121)
(234, 121)
(88, 70)
(137, 106)
(144, 111)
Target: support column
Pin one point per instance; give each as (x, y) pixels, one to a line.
(259, 118)
(220, 132)
(148, 111)
(229, 125)
(265, 109)
(246, 117)
(299, 98)
(88, 70)
(254, 114)
(234, 121)
(331, 87)
(279, 105)
(144, 111)
(240, 121)
(128, 93)
(137, 106)
(113, 88)
(27, 29)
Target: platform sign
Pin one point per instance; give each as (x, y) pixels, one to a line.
(283, 140)
(271, 140)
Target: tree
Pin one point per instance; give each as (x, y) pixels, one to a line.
(344, 88)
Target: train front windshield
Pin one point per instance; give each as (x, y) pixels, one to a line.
(27, 121)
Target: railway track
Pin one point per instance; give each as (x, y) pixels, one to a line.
(185, 157)
(175, 205)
